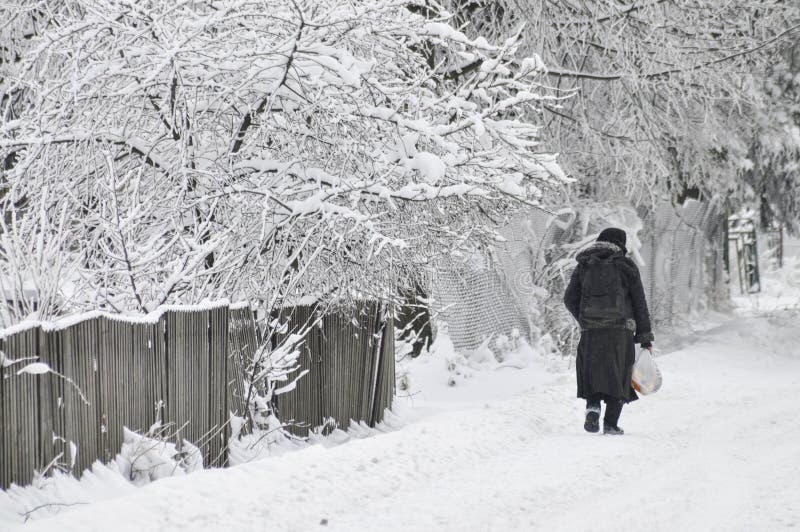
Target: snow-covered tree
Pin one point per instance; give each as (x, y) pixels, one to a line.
(664, 91)
(772, 171)
(175, 151)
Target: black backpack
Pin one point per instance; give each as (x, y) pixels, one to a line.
(602, 295)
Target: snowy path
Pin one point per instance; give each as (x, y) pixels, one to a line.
(718, 448)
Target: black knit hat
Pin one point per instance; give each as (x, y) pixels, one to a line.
(613, 235)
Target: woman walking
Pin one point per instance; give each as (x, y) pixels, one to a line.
(606, 296)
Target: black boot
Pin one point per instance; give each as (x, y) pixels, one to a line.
(610, 420)
(592, 423)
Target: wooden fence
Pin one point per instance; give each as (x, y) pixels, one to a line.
(176, 368)
(350, 358)
(185, 367)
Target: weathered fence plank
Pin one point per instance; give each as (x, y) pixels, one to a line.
(20, 405)
(218, 390)
(196, 354)
(386, 388)
(84, 426)
(51, 419)
(350, 358)
(6, 455)
(242, 346)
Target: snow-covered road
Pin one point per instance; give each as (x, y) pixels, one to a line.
(718, 448)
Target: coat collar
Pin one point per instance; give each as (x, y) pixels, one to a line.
(602, 249)
(604, 245)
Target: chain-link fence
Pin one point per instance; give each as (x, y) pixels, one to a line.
(517, 287)
(683, 269)
(481, 297)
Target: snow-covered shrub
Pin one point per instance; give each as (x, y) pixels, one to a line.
(248, 443)
(504, 346)
(271, 372)
(149, 457)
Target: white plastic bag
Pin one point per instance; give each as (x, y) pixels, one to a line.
(646, 375)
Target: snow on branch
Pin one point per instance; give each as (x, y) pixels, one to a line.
(207, 150)
(668, 93)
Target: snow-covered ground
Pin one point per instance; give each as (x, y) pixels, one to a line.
(718, 448)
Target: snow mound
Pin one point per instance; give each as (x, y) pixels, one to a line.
(499, 367)
(141, 460)
(144, 459)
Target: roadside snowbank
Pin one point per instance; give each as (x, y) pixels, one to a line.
(445, 376)
(143, 460)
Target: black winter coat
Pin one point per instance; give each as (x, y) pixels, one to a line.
(606, 351)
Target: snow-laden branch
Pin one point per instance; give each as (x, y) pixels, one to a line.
(668, 92)
(213, 150)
